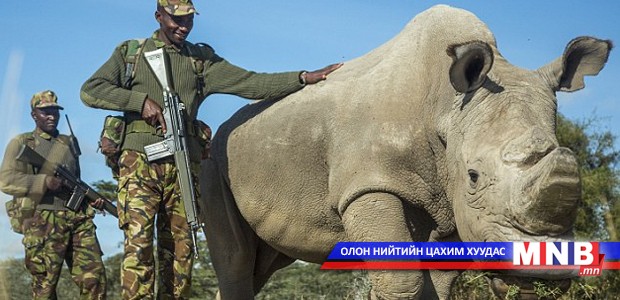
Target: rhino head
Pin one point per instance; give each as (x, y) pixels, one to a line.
(508, 179)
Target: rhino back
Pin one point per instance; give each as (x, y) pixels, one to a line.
(293, 165)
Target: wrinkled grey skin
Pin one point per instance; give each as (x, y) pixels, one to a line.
(433, 136)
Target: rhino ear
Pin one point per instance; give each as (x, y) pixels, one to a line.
(470, 64)
(582, 56)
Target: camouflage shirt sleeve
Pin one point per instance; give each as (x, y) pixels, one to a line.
(15, 179)
(104, 89)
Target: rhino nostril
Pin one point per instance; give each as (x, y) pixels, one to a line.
(537, 154)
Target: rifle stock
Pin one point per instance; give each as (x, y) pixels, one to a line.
(175, 139)
(80, 189)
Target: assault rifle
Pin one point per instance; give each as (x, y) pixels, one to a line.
(175, 139)
(80, 189)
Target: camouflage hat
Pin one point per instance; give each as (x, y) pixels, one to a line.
(178, 7)
(44, 99)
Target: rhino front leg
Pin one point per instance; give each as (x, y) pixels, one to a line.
(443, 280)
(379, 217)
(442, 283)
(231, 241)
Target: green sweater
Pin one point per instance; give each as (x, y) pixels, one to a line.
(104, 89)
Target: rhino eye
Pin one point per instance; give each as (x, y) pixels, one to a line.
(473, 177)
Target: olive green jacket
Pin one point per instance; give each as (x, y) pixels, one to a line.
(105, 87)
(20, 179)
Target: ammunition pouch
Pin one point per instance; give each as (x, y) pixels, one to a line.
(18, 210)
(202, 132)
(111, 141)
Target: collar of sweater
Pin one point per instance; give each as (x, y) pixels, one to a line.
(44, 134)
(160, 44)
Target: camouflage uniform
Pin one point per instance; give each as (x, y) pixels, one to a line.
(53, 234)
(149, 190)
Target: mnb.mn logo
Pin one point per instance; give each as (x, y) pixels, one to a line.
(585, 255)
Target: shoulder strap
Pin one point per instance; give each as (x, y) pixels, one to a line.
(30, 142)
(132, 56)
(29, 138)
(67, 140)
(197, 53)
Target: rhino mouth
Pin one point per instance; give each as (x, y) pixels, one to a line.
(507, 287)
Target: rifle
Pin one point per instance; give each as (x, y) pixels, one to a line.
(74, 143)
(175, 139)
(80, 189)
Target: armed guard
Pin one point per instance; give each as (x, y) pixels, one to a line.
(151, 188)
(53, 234)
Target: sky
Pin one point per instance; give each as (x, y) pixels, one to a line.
(57, 45)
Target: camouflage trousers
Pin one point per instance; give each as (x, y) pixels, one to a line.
(148, 198)
(51, 237)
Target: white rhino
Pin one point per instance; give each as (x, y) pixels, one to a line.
(432, 136)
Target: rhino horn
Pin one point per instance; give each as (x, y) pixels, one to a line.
(545, 199)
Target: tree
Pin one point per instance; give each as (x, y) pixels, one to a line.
(598, 162)
(106, 188)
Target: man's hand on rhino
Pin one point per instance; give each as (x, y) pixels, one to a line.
(318, 75)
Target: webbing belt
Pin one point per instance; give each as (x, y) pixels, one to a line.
(142, 126)
(51, 203)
